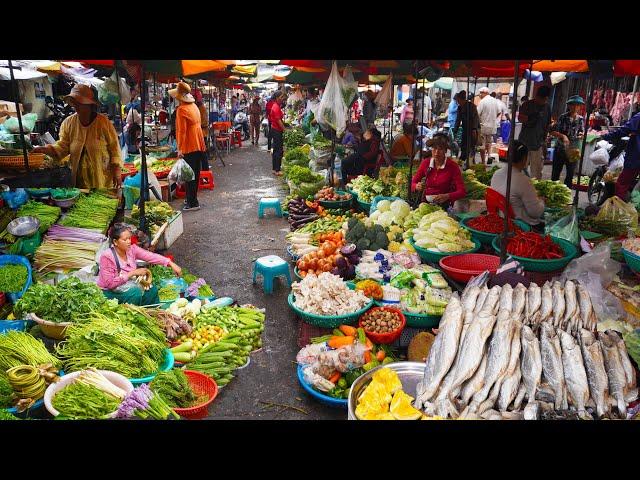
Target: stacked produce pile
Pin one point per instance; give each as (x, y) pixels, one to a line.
(373, 237)
(475, 189)
(367, 188)
(296, 156)
(329, 194)
(302, 181)
(94, 211)
(533, 245)
(332, 363)
(555, 194)
(495, 348)
(292, 138)
(484, 174)
(331, 256)
(156, 213)
(67, 248)
(236, 336)
(161, 166)
(422, 290)
(438, 232)
(491, 223)
(174, 388)
(326, 294)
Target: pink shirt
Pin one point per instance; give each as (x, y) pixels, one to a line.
(108, 278)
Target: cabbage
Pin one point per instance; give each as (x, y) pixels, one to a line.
(383, 206)
(400, 208)
(375, 215)
(385, 219)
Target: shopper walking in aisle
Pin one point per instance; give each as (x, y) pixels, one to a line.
(407, 112)
(267, 114)
(255, 114)
(467, 118)
(276, 116)
(535, 116)
(452, 111)
(91, 141)
(488, 111)
(190, 139)
(631, 169)
(423, 114)
(569, 130)
(369, 108)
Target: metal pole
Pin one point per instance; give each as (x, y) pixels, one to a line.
(633, 94)
(528, 89)
(584, 136)
(16, 99)
(467, 131)
(413, 143)
(144, 181)
(514, 110)
(155, 116)
(119, 102)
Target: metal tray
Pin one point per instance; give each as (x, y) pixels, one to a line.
(23, 226)
(410, 373)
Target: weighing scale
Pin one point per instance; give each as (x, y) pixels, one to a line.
(25, 229)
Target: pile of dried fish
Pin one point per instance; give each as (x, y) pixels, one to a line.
(497, 347)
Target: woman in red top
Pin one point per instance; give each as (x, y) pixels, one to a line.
(444, 184)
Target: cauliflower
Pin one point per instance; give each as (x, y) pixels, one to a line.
(385, 219)
(400, 208)
(383, 206)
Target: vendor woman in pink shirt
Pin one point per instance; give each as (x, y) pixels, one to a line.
(118, 269)
(443, 178)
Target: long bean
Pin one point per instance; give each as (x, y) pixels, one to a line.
(94, 211)
(20, 348)
(45, 213)
(58, 254)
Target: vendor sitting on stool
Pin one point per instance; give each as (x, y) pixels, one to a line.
(118, 269)
(527, 205)
(444, 184)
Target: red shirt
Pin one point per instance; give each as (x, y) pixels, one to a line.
(447, 179)
(267, 109)
(275, 115)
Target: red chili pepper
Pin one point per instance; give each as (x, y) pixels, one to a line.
(533, 245)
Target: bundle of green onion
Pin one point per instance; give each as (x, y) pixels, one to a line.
(65, 255)
(94, 211)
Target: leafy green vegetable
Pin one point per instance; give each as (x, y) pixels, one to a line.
(168, 293)
(5, 415)
(174, 388)
(80, 401)
(296, 156)
(293, 137)
(45, 213)
(160, 272)
(13, 278)
(632, 342)
(475, 189)
(64, 302)
(299, 175)
(367, 188)
(556, 194)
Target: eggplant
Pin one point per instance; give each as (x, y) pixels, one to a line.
(299, 222)
(350, 273)
(335, 271)
(348, 249)
(295, 217)
(353, 259)
(341, 263)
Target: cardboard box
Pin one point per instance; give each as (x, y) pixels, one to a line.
(10, 108)
(172, 232)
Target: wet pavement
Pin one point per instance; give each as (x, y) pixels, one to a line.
(220, 243)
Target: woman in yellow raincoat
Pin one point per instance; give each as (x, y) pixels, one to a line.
(90, 140)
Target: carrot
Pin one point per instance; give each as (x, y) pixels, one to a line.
(369, 344)
(337, 342)
(367, 356)
(348, 330)
(335, 377)
(380, 355)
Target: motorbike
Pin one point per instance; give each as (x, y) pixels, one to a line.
(60, 111)
(241, 124)
(599, 191)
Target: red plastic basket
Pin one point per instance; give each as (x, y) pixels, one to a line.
(384, 337)
(201, 384)
(463, 268)
(3, 299)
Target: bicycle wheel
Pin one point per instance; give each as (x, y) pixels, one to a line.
(596, 187)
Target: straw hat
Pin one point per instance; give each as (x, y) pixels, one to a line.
(182, 92)
(81, 94)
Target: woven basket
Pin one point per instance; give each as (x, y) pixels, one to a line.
(57, 331)
(201, 384)
(327, 321)
(16, 162)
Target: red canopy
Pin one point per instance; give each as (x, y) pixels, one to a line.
(626, 67)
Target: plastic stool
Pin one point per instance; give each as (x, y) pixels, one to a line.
(236, 138)
(205, 181)
(270, 267)
(269, 202)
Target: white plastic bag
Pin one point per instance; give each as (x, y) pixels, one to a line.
(349, 87)
(599, 157)
(332, 111)
(597, 262)
(181, 173)
(385, 96)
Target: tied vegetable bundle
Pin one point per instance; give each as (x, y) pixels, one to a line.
(174, 388)
(45, 213)
(20, 348)
(491, 223)
(296, 156)
(13, 278)
(533, 245)
(65, 302)
(120, 338)
(555, 194)
(65, 255)
(94, 211)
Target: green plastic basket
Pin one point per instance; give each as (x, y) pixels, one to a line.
(297, 273)
(364, 206)
(434, 257)
(534, 265)
(632, 260)
(416, 320)
(338, 204)
(353, 194)
(487, 238)
(325, 321)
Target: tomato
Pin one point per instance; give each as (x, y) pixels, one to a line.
(328, 250)
(302, 265)
(313, 264)
(302, 274)
(320, 254)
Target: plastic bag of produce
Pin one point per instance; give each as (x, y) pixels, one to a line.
(599, 157)
(566, 228)
(108, 93)
(616, 211)
(349, 87)
(181, 172)
(341, 359)
(28, 123)
(598, 262)
(332, 111)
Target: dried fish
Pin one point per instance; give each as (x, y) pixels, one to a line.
(596, 372)
(574, 373)
(552, 369)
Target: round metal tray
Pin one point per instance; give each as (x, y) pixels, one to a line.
(410, 373)
(23, 226)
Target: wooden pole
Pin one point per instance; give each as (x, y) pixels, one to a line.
(144, 181)
(584, 137)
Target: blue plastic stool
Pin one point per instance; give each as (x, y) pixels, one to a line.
(269, 202)
(270, 267)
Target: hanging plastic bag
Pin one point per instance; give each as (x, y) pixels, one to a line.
(566, 227)
(598, 261)
(616, 211)
(181, 173)
(332, 112)
(125, 94)
(349, 87)
(28, 123)
(385, 96)
(108, 92)
(600, 156)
